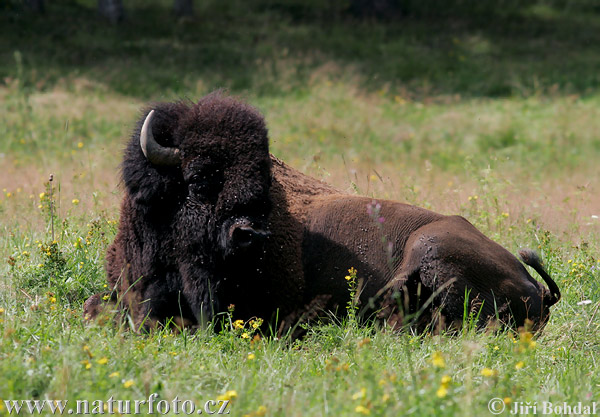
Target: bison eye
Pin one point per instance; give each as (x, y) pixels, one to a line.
(205, 185)
(199, 188)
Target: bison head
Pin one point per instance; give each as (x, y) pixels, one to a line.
(198, 176)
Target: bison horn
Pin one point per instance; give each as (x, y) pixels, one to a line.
(155, 153)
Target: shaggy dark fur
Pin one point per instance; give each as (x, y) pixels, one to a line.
(233, 225)
(173, 255)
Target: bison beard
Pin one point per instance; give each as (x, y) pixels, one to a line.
(210, 218)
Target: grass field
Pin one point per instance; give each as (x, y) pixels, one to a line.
(493, 116)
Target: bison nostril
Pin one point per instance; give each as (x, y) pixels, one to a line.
(243, 236)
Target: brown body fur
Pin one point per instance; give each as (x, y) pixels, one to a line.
(414, 258)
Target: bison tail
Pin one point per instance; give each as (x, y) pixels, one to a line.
(531, 258)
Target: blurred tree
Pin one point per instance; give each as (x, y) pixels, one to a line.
(111, 10)
(36, 5)
(183, 8)
(375, 8)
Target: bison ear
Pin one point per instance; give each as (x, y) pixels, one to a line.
(153, 151)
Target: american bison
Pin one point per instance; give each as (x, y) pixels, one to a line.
(210, 219)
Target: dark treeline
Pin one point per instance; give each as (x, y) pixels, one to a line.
(417, 47)
(116, 10)
(113, 10)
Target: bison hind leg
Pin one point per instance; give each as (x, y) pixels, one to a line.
(101, 307)
(406, 303)
(425, 288)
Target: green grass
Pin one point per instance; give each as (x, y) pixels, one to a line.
(490, 114)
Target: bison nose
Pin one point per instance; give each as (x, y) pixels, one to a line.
(243, 234)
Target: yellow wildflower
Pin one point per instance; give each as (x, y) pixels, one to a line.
(343, 367)
(80, 145)
(251, 356)
(362, 410)
(360, 394)
(2, 311)
(364, 341)
(261, 411)
(228, 396)
(102, 361)
(86, 364)
(75, 201)
(114, 374)
(519, 365)
(245, 335)
(526, 339)
(446, 379)
(86, 349)
(438, 360)
(238, 324)
(441, 392)
(129, 383)
(489, 372)
(507, 400)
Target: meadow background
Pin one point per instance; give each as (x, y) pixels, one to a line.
(491, 112)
